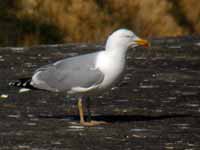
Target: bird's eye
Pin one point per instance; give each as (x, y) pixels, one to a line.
(128, 36)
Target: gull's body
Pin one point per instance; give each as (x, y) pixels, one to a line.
(100, 72)
(86, 74)
(112, 69)
(83, 74)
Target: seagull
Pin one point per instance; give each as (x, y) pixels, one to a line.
(85, 75)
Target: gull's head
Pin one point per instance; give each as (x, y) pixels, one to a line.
(123, 39)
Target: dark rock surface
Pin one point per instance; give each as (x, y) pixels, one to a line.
(155, 106)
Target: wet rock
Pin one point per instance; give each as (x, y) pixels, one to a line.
(155, 106)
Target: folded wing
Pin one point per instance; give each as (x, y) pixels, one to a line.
(68, 73)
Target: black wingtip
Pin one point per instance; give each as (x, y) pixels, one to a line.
(22, 83)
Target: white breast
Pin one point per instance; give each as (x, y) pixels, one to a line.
(112, 68)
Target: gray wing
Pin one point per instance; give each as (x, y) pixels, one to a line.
(65, 74)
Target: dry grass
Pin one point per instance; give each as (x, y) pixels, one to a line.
(93, 20)
(148, 17)
(192, 12)
(79, 20)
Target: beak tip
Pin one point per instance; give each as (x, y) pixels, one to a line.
(144, 43)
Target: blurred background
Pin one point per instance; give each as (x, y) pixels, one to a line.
(33, 22)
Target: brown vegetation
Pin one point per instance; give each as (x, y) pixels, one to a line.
(48, 21)
(192, 12)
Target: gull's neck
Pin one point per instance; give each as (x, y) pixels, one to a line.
(115, 49)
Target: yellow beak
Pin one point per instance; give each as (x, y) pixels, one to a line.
(142, 42)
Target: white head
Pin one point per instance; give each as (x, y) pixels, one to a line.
(122, 39)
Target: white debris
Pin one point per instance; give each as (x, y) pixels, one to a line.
(24, 147)
(76, 127)
(17, 49)
(14, 116)
(24, 90)
(198, 44)
(4, 96)
(1, 58)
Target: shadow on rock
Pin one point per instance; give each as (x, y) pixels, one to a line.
(118, 118)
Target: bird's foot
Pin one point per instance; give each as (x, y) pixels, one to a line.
(93, 123)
